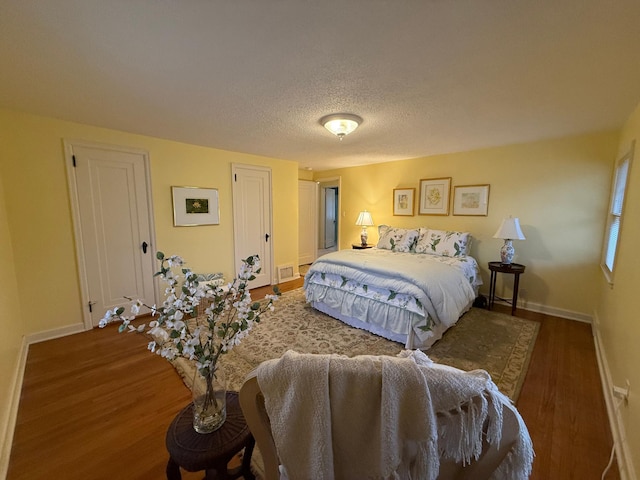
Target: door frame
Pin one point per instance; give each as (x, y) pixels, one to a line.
(75, 215)
(324, 183)
(315, 209)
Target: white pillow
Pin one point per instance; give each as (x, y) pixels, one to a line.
(443, 243)
(396, 239)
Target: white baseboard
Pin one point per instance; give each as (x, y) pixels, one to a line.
(623, 455)
(556, 312)
(55, 333)
(11, 414)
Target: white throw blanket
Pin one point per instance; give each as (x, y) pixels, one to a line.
(334, 417)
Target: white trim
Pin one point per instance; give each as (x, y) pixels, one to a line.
(329, 182)
(55, 333)
(75, 216)
(11, 414)
(556, 312)
(623, 455)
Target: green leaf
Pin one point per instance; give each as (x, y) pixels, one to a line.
(119, 310)
(160, 255)
(255, 306)
(174, 334)
(392, 295)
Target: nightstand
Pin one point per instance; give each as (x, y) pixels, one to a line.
(514, 269)
(359, 246)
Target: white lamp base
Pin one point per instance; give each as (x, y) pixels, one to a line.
(507, 252)
(364, 236)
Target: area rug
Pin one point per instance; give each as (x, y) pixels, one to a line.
(498, 343)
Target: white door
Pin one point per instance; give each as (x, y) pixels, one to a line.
(112, 215)
(307, 221)
(252, 218)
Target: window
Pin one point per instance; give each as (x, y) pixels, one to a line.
(614, 219)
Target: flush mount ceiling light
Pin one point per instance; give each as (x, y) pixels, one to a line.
(341, 124)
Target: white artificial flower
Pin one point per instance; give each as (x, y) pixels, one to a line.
(177, 331)
(135, 307)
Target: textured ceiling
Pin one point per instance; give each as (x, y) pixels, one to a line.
(427, 76)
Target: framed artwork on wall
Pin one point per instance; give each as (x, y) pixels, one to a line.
(471, 200)
(434, 196)
(403, 201)
(194, 206)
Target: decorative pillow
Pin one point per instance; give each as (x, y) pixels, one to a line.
(422, 242)
(396, 239)
(382, 229)
(444, 243)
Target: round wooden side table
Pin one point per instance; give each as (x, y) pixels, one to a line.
(210, 452)
(514, 269)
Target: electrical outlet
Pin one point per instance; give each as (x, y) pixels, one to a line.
(622, 392)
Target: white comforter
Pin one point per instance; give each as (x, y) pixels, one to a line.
(420, 291)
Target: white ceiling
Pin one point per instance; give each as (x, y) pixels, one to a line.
(255, 76)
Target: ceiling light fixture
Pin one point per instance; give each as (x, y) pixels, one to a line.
(341, 124)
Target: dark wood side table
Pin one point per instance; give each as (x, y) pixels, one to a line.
(359, 246)
(514, 269)
(211, 452)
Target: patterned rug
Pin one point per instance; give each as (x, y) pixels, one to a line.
(498, 343)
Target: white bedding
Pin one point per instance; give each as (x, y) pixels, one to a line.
(406, 297)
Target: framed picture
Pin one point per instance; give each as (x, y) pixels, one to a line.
(195, 206)
(403, 201)
(434, 196)
(471, 200)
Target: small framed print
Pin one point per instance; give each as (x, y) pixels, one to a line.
(194, 206)
(403, 201)
(471, 200)
(434, 196)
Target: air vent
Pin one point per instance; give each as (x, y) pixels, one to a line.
(285, 273)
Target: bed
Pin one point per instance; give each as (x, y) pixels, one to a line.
(410, 288)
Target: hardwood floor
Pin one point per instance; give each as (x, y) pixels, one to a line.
(96, 405)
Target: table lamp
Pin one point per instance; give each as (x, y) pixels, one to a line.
(509, 230)
(364, 220)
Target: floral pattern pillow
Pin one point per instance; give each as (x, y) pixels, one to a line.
(396, 239)
(443, 243)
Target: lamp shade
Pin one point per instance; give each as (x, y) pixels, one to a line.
(510, 229)
(364, 219)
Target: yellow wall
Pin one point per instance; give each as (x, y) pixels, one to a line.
(305, 174)
(39, 215)
(618, 321)
(11, 323)
(558, 189)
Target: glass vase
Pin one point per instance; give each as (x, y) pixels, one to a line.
(209, 400)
